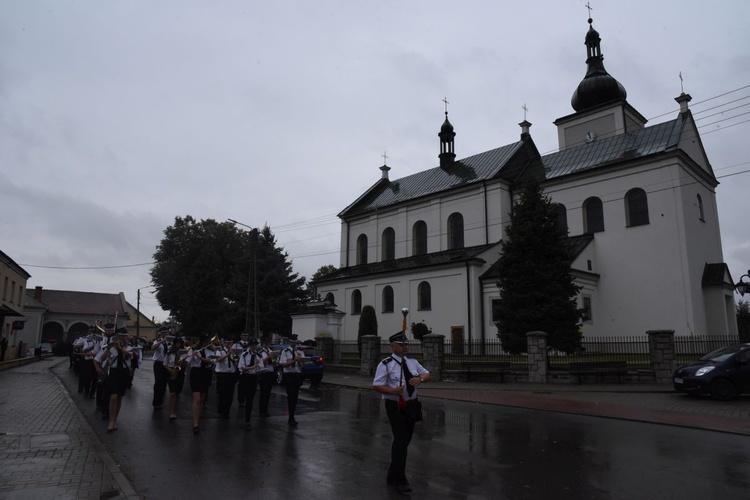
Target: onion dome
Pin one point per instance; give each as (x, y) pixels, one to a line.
(598, 86)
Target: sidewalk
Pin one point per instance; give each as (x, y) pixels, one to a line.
(47, 449)
(658, 404)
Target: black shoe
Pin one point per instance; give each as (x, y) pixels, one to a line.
(265, 415)
(403, 488)
(292, 422)
(248, 426)
(196, 430)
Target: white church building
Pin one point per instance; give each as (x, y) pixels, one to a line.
(639, 203)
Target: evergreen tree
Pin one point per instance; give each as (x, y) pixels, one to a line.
(537, 292)
(368, 325)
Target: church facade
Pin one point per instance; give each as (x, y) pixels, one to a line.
(639, 203)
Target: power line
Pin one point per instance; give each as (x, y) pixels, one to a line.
(88, 268)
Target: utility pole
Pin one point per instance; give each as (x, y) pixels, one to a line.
(252, 279)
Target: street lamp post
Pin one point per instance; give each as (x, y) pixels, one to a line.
(743, 287)
(251, 279)
(404, 311)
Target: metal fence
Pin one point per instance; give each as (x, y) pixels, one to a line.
(481, 356)
(632, 350)
(488, 355)
(691, 347)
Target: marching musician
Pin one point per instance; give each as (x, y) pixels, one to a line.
(241, 346)
(200, 376)
(101, 367)
(98, 391)
(161, 376)
(291, 362)
(118, 376)
(137, 358)
(175, 366)
(266, 376)
(249, 364)
(86, 373)
(226, 376)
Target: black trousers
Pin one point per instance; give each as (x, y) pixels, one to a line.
(87, 376)
(248, 384)
(293, 382)
(402, 428)
(161, 378)
(225, 383)
(265, 382)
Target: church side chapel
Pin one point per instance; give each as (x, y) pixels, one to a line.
(639, 203)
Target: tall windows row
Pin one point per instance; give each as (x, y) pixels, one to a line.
(418, 237)
(636, 211)
(424, 299)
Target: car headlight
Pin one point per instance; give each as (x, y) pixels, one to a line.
(703, 370)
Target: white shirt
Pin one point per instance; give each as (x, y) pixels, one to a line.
(250, 359)
(89, 349)
(265, 359)
(287, 355)
(389, 373)
(226, 365)
(160, 351)
(195, 361)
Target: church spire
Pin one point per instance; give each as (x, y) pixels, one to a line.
(447, 152)
(598, 86)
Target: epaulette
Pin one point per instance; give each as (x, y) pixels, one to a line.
(387, 360)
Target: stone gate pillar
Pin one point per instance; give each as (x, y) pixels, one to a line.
(536, 347)
(370, 354)
(662, 354)
(433, 351)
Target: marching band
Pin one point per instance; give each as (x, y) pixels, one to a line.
(105, 361)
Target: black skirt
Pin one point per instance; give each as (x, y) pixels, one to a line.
(200, 379)
(176, 384)
(118, 380)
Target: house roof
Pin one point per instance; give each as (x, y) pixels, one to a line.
(507, 162)
(643, 142)
(716, 274)
(427, 260)
(70, 302)
(477, 168)
(576, 244)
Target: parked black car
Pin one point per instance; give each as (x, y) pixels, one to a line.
(723, 373)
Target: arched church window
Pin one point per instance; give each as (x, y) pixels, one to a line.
(562, 215)
(455, 231)
(636, 208)
(419, 238)
(356, 302)
(362, 249)
(387, 299)
(388, 249)
(424, 296)
(593, 215)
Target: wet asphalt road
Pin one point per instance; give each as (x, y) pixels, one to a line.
(461, 450)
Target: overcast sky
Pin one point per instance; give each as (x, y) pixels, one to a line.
(117, 116)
